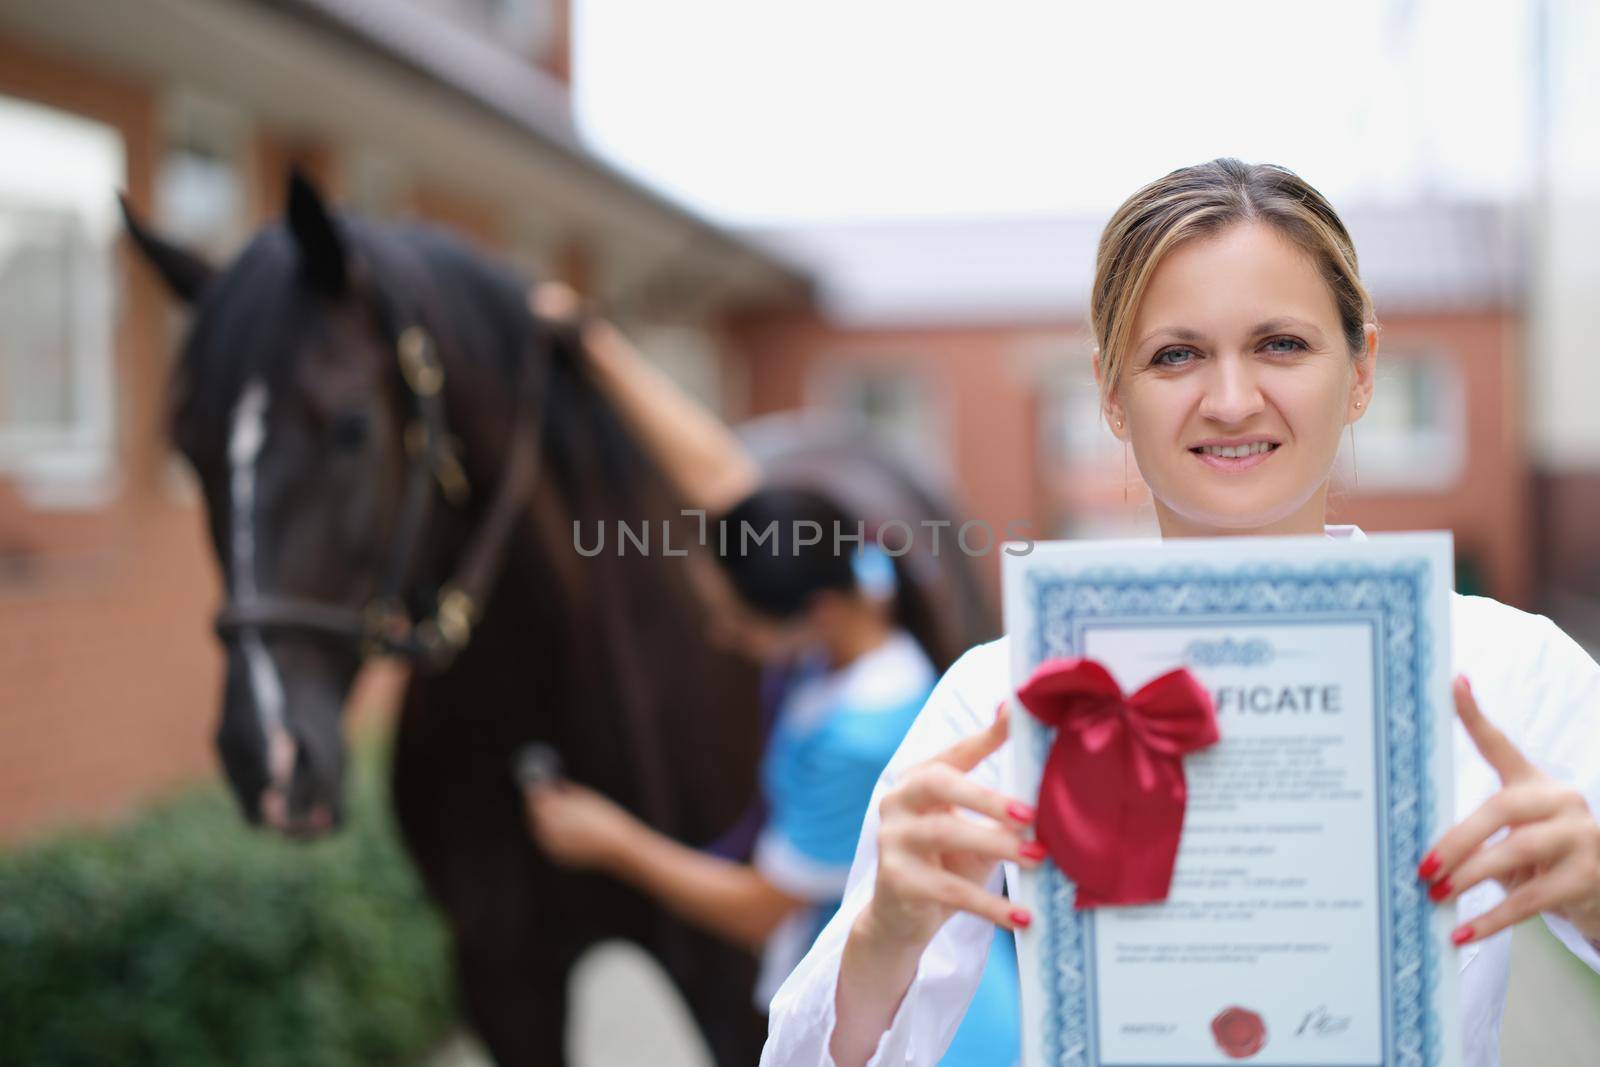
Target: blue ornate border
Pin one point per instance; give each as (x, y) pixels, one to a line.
(1393, 596)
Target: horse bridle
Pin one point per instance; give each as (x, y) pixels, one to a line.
(384, 625)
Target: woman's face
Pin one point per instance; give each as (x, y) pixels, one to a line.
(1237, 385)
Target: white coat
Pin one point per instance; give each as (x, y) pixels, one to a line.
(1532, 680)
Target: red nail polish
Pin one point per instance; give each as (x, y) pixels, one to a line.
(1020, 918)
(1429, 866)
(1461, 935)
(1440, 889)
(1032, 850)
(1019, 811)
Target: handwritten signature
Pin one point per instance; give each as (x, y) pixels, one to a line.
(1318, 1022)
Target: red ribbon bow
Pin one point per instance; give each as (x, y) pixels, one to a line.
(1112, 799)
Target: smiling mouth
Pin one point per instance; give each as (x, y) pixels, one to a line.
(1235, 457)
(1235, 451)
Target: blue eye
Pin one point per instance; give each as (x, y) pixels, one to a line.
(1293, 344)
(1173, 357)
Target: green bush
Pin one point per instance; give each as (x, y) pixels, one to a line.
(184, 939)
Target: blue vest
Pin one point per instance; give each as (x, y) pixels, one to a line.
(834, 734)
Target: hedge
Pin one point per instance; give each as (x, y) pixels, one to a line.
(186, 939)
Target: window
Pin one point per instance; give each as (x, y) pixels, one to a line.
(1414, 437)
(58, 227)
(1089, 487)
(895, 401)
(1073, 430)
(200, 192)
(377, 186)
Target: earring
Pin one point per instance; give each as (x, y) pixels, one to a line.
(1355, 468)
(1124, 468)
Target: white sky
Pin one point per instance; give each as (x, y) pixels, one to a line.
(767, 112)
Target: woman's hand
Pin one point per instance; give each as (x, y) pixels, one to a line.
(700, 455)
(578, 827)
(1548, 862)
(934, 858)
(555, 302)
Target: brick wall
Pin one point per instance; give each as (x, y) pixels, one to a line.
(106, 671)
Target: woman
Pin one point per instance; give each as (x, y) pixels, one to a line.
(838, 626)
(1227, 311)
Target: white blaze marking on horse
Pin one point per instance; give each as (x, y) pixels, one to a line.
(249, 433)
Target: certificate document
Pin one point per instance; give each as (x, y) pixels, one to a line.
(1295, 931)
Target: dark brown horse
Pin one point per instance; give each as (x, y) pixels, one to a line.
(394, 454)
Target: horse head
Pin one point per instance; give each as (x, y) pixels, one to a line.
(307, 398)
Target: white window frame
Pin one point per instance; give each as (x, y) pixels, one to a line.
(189, 115)
(73, 465)
(828, 380)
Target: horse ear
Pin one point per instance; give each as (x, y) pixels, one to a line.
(322, 251)
(185, 273)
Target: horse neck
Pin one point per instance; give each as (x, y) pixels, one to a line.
(593, 653)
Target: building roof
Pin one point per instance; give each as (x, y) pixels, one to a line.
(453, 108)
(498, 81)
(1428, 256)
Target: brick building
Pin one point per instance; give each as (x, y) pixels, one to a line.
(454, 111)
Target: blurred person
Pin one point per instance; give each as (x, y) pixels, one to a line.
(847, 676)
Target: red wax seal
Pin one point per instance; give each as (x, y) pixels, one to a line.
(1240, 1033)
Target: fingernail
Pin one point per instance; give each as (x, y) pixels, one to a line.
(1466, 683)
(1429, 866)
(1031, 850)
(1461, 935)
(1020, 918)
(1019, 811)
(1440, 889)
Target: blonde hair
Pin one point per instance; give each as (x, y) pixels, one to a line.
(1199, 201)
